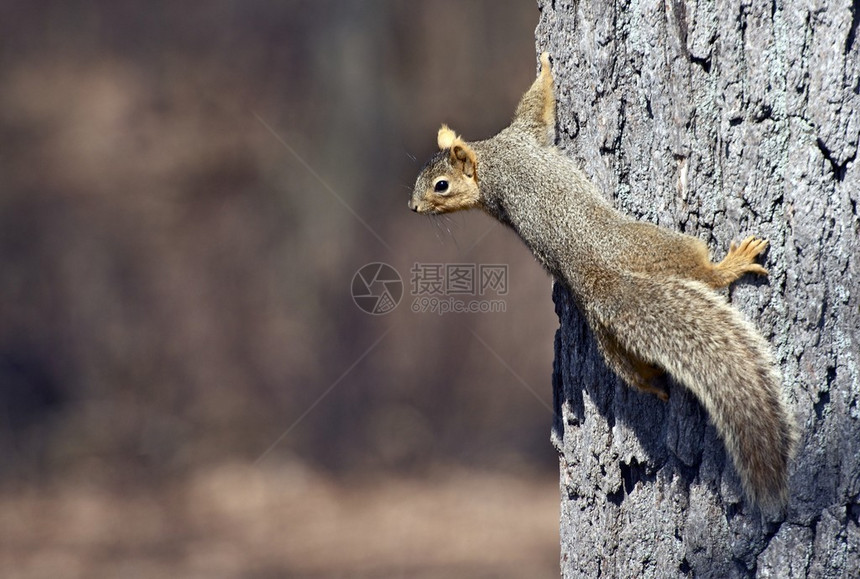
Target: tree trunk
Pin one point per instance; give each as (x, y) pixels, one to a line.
(721, 121)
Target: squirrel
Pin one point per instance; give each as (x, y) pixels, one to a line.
(646, 292)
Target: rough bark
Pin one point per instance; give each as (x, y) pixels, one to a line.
(720, 120)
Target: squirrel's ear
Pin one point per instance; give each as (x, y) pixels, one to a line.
(445, 138)
(463, 157)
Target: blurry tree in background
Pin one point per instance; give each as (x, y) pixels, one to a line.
(187, 191)
(178, 234)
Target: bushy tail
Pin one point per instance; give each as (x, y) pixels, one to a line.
(692, 333)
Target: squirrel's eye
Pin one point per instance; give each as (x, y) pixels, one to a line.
(441, 186)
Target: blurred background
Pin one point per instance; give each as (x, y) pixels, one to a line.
(187, 387)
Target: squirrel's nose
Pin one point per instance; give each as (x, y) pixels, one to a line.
(413, 206)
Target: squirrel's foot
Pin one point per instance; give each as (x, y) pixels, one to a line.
(747, 251)
(545, 69)
(657, 391)
(740, 260)
(647, 379)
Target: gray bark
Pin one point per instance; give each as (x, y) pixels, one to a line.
(719, 120)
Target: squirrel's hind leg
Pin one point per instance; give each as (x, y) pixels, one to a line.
(739, 260)
(634, 371)
(536, 111)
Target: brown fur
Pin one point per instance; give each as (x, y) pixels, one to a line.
(646, 292)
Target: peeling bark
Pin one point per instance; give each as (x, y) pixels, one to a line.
(720, 120)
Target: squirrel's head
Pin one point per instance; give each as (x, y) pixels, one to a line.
(449, 181)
